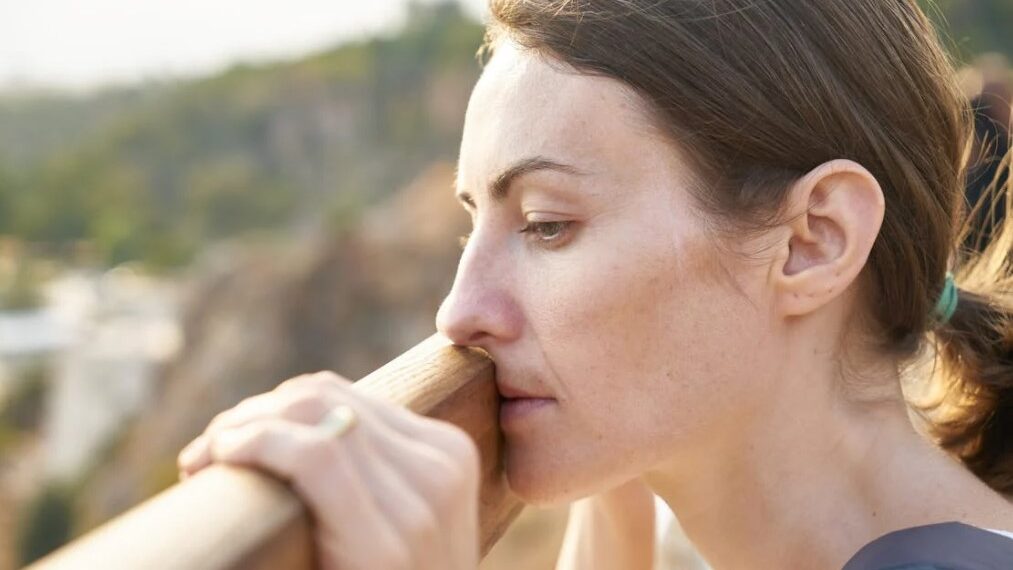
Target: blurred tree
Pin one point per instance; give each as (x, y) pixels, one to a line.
(155, 173)
(46, 524)
(7, 193)
(267, 147)
(22, 409)
(974, 26)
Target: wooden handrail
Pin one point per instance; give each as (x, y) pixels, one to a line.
(228, 518)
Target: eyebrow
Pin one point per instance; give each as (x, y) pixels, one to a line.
(500, 188)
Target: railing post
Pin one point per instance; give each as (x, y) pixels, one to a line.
(228, 518)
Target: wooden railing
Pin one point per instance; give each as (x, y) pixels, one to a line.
(235, 518)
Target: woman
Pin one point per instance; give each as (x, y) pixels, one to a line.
(708, 238)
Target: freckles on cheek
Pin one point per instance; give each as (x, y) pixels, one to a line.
(620, 308)
(626, 310)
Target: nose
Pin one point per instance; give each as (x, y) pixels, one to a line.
(479, 310)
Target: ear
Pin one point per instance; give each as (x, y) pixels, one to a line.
(834, 215)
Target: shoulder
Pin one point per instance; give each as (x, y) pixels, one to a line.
(943, 546)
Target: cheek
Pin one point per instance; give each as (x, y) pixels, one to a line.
(634, 320)
(636, 340)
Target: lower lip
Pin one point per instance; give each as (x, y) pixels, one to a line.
(516, 409)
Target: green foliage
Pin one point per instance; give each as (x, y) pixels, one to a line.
(156, 172)
(7, 191)
(22, 409)
(257, 148)
(34, 124)
(46, 523)
(973, 26)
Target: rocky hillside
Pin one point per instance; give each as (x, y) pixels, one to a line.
(345, 302)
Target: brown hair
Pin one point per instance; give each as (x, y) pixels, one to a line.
(760, 93)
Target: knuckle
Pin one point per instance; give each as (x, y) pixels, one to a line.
(459, 481)
(446, 482)
(455, 465)
(461, 447)
(222, 418)
(419, 521)
(216, 423)
(246, 440)
(324, 378)
(317, 381)
(303, 404)
(330, 377)
(300, 381)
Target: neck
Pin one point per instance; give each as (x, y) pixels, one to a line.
(809, 479)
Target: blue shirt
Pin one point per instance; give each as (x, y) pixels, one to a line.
(942, 546)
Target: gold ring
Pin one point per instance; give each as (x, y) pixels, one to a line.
(338, 421)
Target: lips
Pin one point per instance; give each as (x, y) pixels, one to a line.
(514, 393)
(521, 406)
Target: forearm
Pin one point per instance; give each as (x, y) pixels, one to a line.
(610, 531)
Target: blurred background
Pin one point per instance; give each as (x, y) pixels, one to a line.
(201, 198)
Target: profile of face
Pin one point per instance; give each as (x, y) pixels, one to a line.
(591, 278)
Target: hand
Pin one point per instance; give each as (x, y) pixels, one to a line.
(398, 491)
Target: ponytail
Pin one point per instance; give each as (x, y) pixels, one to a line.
(973, 414)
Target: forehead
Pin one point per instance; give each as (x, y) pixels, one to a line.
(526, 104)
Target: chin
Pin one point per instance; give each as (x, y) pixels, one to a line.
(541, 482)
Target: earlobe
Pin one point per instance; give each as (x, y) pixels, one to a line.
(834, 214)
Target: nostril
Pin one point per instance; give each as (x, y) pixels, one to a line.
(461, 327)
(474, 339)
(458, 333)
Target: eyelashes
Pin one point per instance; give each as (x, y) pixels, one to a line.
(544, 234)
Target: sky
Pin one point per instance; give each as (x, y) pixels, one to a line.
(79, 45)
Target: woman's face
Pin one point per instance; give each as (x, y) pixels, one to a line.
(591, 280)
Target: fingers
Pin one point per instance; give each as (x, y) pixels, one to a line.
(335, 389)
(329, 474)
(306, 399)
(299, 454)
(273, 444)
(300, 398)
(411, 519)
(307, 405)
(333, 477)
(391, 492)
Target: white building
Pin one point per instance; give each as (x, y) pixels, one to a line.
(101, 338)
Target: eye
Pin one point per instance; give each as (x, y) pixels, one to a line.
(547, 233)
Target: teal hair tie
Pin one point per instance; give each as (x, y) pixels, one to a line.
(947, 303)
